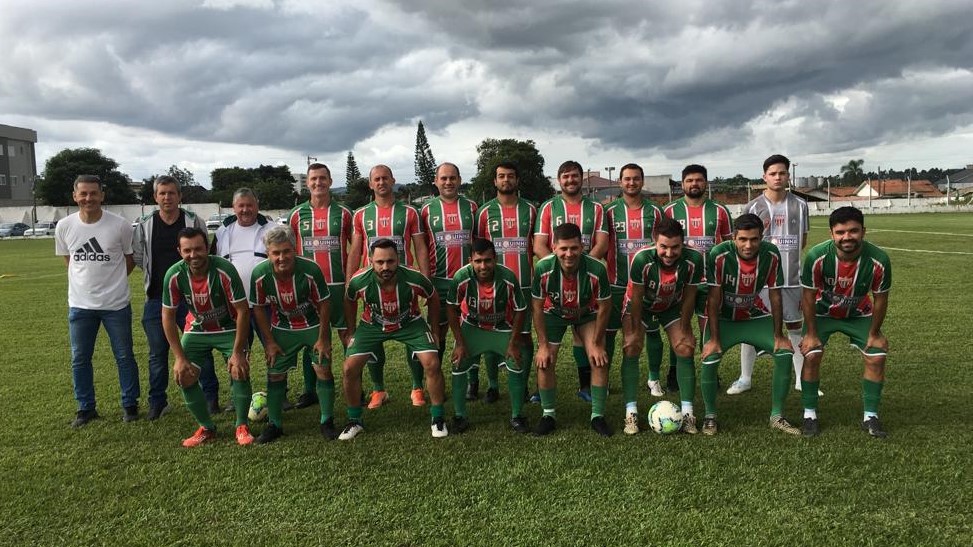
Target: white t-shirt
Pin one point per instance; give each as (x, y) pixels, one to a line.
(97, 275)
(244, 247)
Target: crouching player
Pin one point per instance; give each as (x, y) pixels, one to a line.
(662, 291)
(213, 292)
(485, 307)
(737, 271)
(390, 296)
(294, 289)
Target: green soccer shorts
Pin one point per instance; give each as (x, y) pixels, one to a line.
(653, 320)
(442, 290)
(291, 342)
(759, 333)
(415, 335)
(198, 346)
(337, 306)
(557, 326)
(618, 303)
(481, 341)
(856, 328)
(702, 293)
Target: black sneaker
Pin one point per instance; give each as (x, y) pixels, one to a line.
(459, 424)
(519, 424)
(328, 430)
(157, 411)
(83, 417)
(492, 395)
(270, 434)
(810, 427)
(672, 380)
(214, 407)
(130, 413)
(545, 426)
(473, 391)
(874, 428)
(306, 400)
(601, 427)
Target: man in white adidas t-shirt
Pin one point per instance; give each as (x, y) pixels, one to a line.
(97, 249)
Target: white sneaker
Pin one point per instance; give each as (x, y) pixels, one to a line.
(439, 429)
(631, 423)
(655, 387)
(738, 387)
(351, 430)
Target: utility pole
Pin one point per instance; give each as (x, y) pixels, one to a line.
(310, 160)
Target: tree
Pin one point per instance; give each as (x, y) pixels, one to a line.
(534, 186)
(274, 185)
(358, 193)
(425, 162)
(187, 185)
(57, 185)
(852, 173)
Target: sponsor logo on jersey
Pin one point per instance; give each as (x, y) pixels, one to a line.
(510, 244)
(842, 301)
(453, 239)
(784, 243)
(735, 300)
(322, 243)
(701, 243)
(632, 246)
(91, 251)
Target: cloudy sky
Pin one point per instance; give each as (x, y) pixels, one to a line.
(205, 84)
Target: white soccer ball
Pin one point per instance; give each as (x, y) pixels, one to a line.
(258, 407)
(665, 418)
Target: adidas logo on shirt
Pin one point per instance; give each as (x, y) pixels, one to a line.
(91, 252)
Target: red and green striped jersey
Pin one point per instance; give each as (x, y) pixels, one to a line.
(400, 223)
(588, 215)
(742, 280)
(574, 296)
(394, 308)
(631, 231)
(511, 229)
(449, 229)
(843, 287)
(664, 286)
(294, 300)
(705, 226)
(322, 236)
(210, 299)
(489, 306)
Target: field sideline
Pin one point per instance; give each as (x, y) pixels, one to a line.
(117, 483)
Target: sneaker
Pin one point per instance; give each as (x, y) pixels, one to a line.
(270, 434)
(377, 399)
(519, 424)
(418, 398)
(779, 423)
(439, 428)
(737, 387)
(585, 394)
(328, 431)
(631, 424)
(82, 417)
(689, 424)
(201, 436)
(243, 436)
(157, 411)
(810, 428)
(672, 380)
(351, 430)
(874, 428)
(306, 400)
(130, 413)
(545, 426)
(473, 391)
(709, 425)
(458, 425)
(535, 397)
(655, 388)
(601, 427)
(492, 395)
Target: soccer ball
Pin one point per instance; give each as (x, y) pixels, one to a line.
(665, 418)
(258, 407)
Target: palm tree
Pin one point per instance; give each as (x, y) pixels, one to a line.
(852, 173)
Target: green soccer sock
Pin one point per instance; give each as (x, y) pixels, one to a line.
(415, 370)
(584, 366)
(516, 384)
(809, 394)
(598, 396)
(526, 360)
(325, 389)
(436, 411)
(707, 384)
(242, 391)
(653, 350)
(492, 362)
(686, 374)
(354, 414)
(871, 395)
(473, 375)
(460, 383)
(196, 403)
(783, 367)
(672, 357)
(276, 390)
(610, 346)
(630, 379)
(376, 371)
(307, 373)
(548, 401)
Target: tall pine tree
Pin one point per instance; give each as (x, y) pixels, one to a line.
(425, 162)
(358, 193)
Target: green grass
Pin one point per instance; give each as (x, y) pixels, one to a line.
(116, 483)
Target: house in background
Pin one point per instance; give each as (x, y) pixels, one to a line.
(18, 165)
(959, 181)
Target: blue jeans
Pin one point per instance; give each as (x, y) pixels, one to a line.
(159, 355)
(83, 328)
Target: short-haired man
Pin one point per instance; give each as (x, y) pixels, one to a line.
(571, 288)
(390, 296)
(293, 290)
(97, 250)
(736, 271)
(837, 276)
(213, 291)
(589, 216)
(662, 291)
(786, 223)
(486, 306)
(388, 218)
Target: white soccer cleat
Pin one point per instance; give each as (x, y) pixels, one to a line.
(738, 387)
(655, 388)
(351, 430)
(439, 429)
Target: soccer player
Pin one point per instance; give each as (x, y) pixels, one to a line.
(662, 291)
(736, 271)
(632, 220)
(390, 300)
(785, 219)
(97, 250)
(705, 223)
(387, 218)
(294, 292)
(322, 228)
(508, 221)
(589, 216)
(837, 277)
(213, 292)
(571, 288)
(486, 307)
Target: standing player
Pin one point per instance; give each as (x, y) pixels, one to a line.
(785, 219)
(386, 218)
(390, 300)
(322, 228)
(838, 276)
(589, 216)
(508, 221)
(736, 271)
(214, 294)
(571, 288)
(486, 307)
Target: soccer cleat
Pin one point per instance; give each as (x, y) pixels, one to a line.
(655, 388)
(810, 428)
(306, 400)
(418, 398)
(458, 425)
(213, 407)
(689, 423)
(439, 428)
(631, 424)
(709, 425)
(779, 423)
(601, 427)
(585, 394)
(545, 426)
(737, 387)
(328, 430)
(351, 430)
(535, 397)
(672, 380)
(201, 436)
(377, 399)
(492, 395)
(243, 436)
(130, 413)
(874, 428)
(270, 434)
(157, 411)
(519, 424)
(82, 417)
(473, 391)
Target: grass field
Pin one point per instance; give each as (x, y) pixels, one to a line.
(118, 483)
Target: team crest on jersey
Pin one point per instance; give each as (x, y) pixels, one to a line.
(696, 223)
(200, 299)
(390, 308)
(509, 222)
(570, 296)
(287, 298)
(575, 219)
(844, 282)
(778, 220)
(747, 279)
(319, 224)
(635, 223)
(383, 222)
(452, 218)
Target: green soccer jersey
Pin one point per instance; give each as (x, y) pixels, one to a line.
(511, 229)
(398, 222)
(705, 226)
(294, 300)
(322, 235)
(489, 306)
(742, 280)
(843, 287)
(574, 296)
(588, 215)
(631, 230)
(664, 286)
(210, 299)
(391, 309)
(449, 229)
